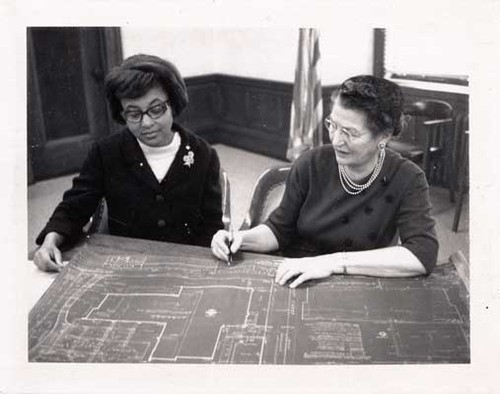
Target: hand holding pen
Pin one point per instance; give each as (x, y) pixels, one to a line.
(229, 244)
(226, 243)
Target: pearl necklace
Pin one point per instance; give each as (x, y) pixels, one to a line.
(354, 188)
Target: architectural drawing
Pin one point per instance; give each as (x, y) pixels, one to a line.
(153, 309)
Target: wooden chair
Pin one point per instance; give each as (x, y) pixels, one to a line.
(462, 178)
(99, 221)
(267, 194)
(226, 199)
(424, 139)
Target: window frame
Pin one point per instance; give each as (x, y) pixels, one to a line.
(379, 69)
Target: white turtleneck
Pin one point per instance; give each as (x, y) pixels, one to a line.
(160, 158)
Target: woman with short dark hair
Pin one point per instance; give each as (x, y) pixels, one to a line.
(136, 75)
(160, 181)
(345, 203)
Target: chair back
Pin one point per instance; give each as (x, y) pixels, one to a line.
(226, 198)
(424, 122)
(99, 221)
(267, 195)
(430, 109)
(427, 136)
(461, 172)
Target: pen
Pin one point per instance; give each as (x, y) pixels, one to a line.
(230, 255)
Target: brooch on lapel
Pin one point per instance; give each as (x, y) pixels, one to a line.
(189, 157)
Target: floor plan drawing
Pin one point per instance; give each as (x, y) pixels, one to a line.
(166, 308)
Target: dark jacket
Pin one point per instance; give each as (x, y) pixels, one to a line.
(186, 207)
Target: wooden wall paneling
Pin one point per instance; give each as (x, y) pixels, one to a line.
(233, 103)
(254, 140)
(266, 110)
(247, 113)
(203, 110)
(255, 115)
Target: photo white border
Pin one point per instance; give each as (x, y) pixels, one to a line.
(481, 20)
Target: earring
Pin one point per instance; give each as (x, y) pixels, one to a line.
(381, 145)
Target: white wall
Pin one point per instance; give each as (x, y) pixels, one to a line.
(265, 53)
(268, 53)
(191, 50)
(345, 53)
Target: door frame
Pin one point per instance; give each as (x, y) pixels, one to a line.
(111, 53)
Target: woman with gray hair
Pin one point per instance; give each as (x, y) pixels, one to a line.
(160, 181)
(345, 203)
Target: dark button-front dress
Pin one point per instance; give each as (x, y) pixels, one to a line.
(316, 215)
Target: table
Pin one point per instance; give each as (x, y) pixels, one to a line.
(136, 301)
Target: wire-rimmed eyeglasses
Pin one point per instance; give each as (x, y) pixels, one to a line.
(350, 134)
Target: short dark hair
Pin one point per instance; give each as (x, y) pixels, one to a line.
(139, 73)
(380, 100)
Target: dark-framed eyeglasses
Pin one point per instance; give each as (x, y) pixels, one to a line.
(154, 112)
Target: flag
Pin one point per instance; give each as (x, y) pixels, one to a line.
(306, 122)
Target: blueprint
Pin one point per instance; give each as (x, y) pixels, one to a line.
(157, 308)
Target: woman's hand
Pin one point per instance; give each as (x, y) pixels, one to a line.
(222, 240)
(48, 256)
(302, 270)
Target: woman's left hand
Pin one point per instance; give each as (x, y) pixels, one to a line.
(302, 270)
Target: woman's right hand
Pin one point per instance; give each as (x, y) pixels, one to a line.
(48, 256)
(222, 242)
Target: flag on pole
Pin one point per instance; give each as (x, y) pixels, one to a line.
(306, 122)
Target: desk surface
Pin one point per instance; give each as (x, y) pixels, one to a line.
(126, 300)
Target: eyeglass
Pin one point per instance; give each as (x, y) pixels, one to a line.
(349, 133)
(154, 112)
